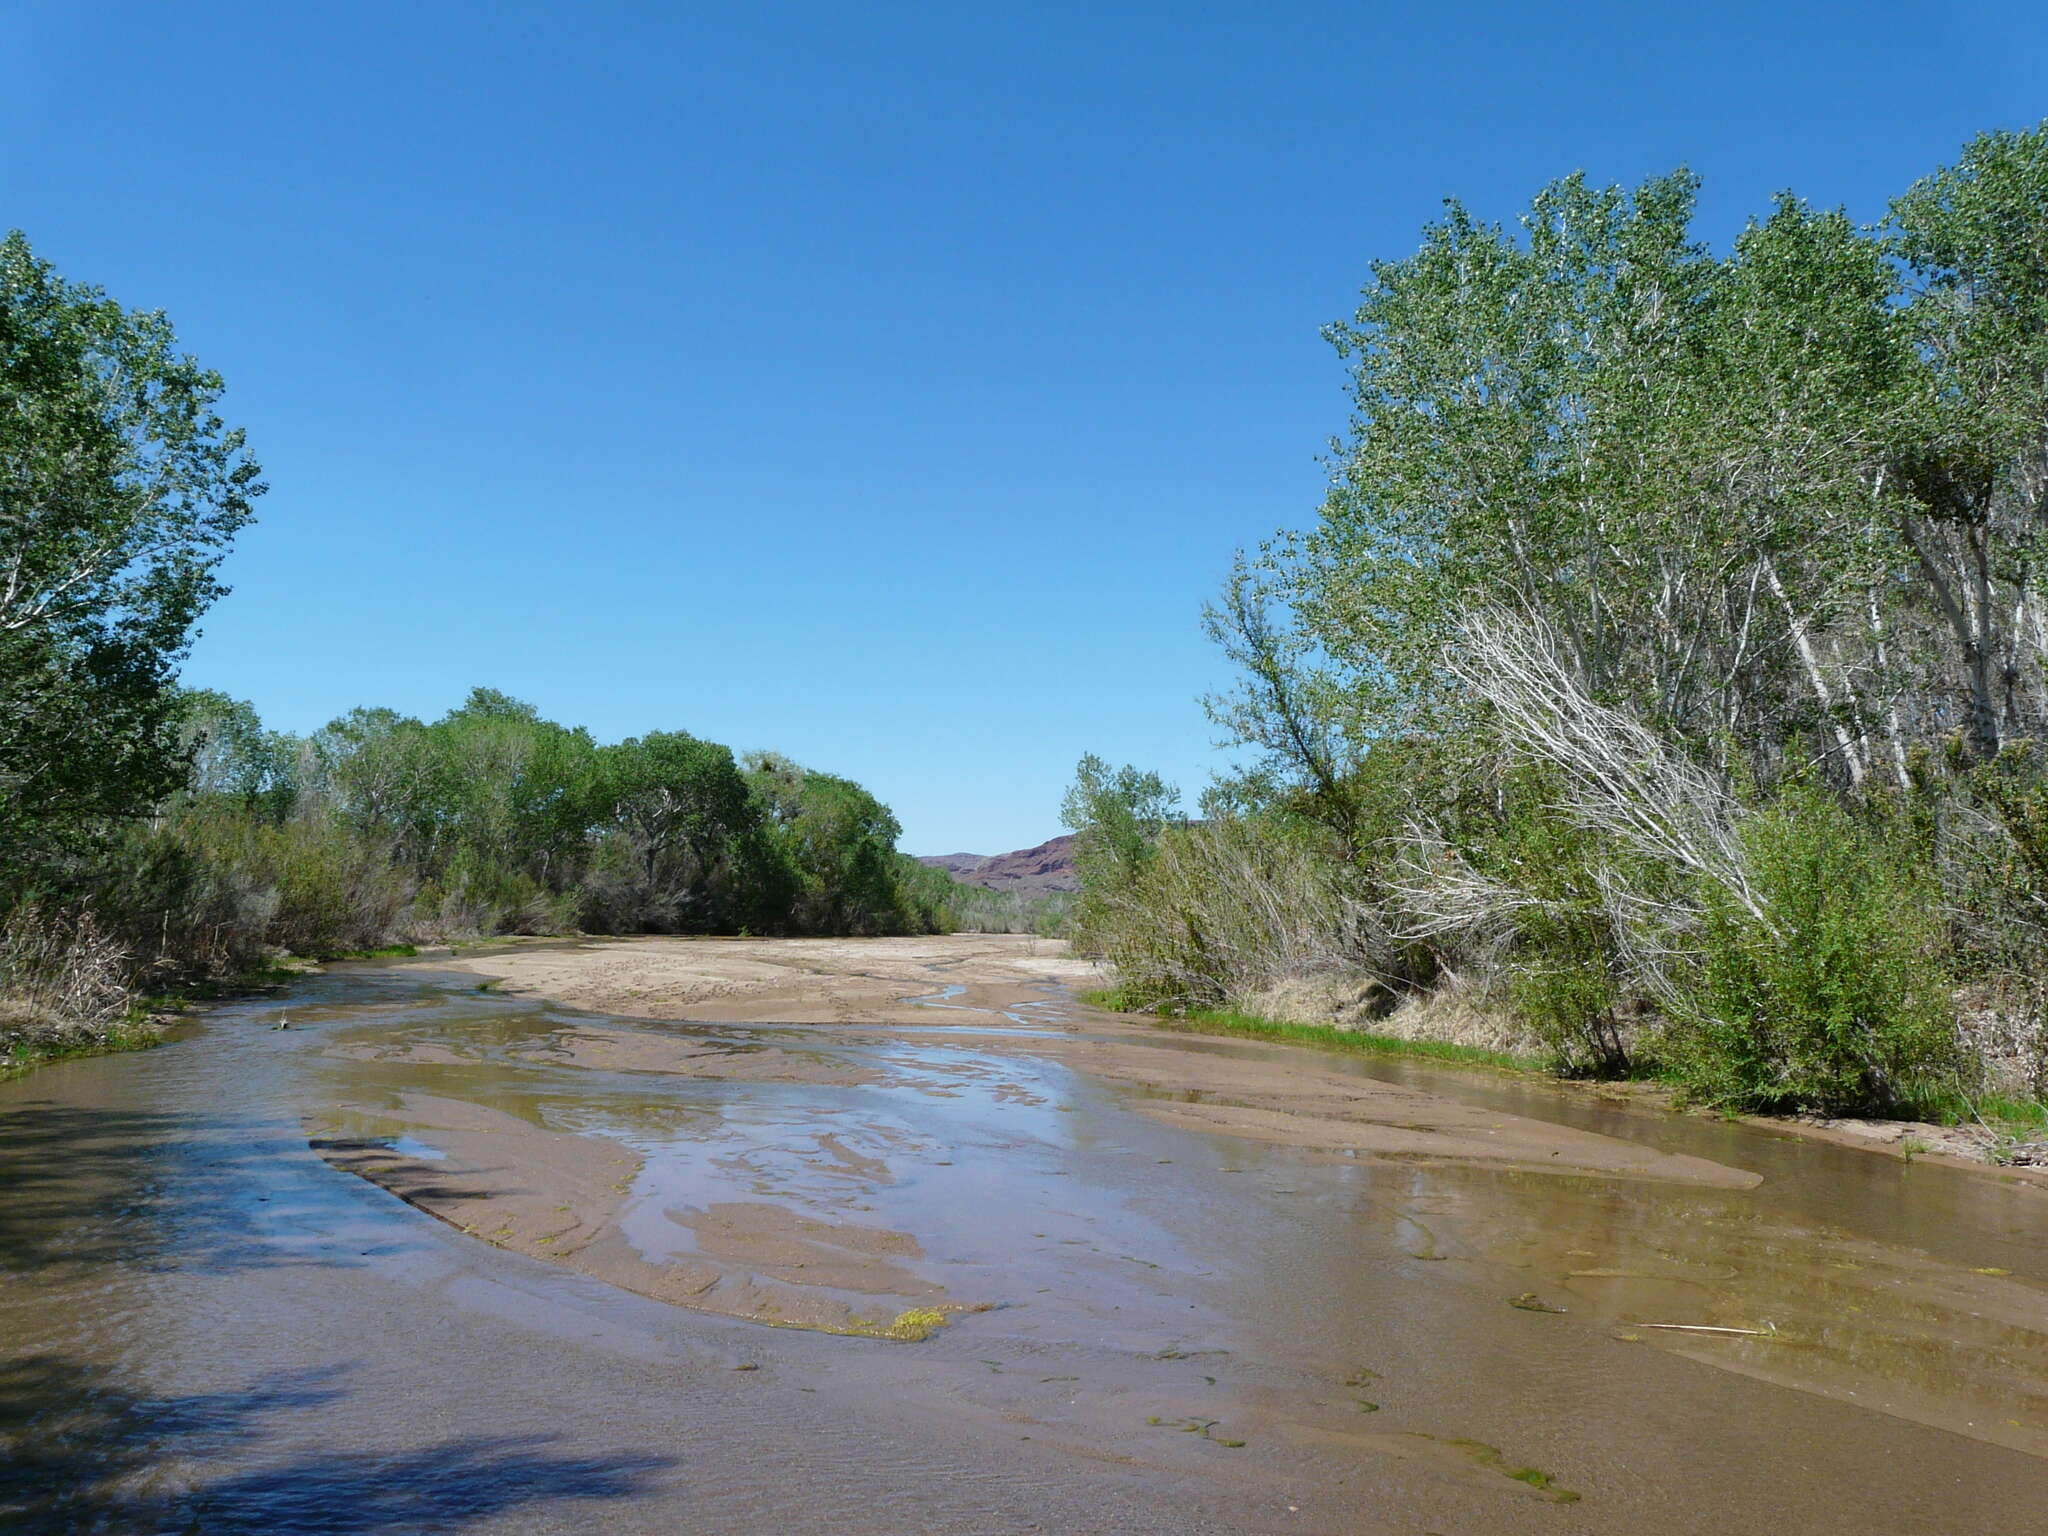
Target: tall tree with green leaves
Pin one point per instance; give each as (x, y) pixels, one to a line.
(1676, 463)
(684, 815)
(838, 840)
(120, 490)
(234, 757)
(1975, 239)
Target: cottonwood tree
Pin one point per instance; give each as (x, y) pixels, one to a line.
(1782, 503)
(685, 816)
(1664, 604)
(835, 843)
(1117, 816)
(1975, 237)
(234, 757)
(120, 490)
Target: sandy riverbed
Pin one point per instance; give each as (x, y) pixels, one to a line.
(877, 985)
(825, 1014)
(1166, 1281)
(773, 1130)
(1118, 1238)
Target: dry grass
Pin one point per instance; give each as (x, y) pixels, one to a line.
(1458, 1013)
(66, 989)
(64, 967)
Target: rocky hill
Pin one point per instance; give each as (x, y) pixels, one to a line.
(1031, 871)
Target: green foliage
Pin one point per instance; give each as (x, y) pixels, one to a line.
(486, 821)
(1628, 538)
(686, 849)
(1581, 420)
(1772, 522)
(212, 887)
(1834, 992)
(120, 489)
(1565, 976)
(838, 843)
(1117, 816)
(1971, 452)
(1200, 915)
(493, 819)
(233, 757)
(1988, 828)
(1975, 238)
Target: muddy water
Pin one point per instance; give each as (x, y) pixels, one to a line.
(209, 1327)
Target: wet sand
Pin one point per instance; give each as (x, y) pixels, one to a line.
(561, 1196)
(1110, 1278)
(875, 984)
(789, 1237)
(558, 1196)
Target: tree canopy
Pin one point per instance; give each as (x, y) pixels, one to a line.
(120, 490)
(1667, 658)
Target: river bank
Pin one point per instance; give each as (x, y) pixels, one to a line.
(30, 1042)
(1962, 1145)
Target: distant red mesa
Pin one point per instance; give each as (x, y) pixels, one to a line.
(1031, 871)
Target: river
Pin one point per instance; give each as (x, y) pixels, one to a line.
(1144, 1321)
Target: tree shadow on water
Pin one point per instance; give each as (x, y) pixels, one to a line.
(153, 1189)
(81, 1454)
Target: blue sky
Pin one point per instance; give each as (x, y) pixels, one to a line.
(885, 384)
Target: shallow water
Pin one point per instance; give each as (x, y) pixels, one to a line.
(209, 1328)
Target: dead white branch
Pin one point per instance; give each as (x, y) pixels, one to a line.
(1619, 779)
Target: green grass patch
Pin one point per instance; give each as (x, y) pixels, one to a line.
(1490, 1456)
(386, 952)
(26, 1054)
(1993, 1110)
(2018, 1127)
(1543, 1482)
(1214, 1021)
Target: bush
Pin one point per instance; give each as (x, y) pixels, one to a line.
(1835, 994)
(1564, 968)
(934, 902)
(1118, 816)
(211, 890)
(1224, 909)
(1991, 848)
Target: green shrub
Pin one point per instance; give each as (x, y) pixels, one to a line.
(1223, 909)
(932, 901)
(213, 886)
(1991, 849)
(1834, 995)
(1564, 968)
(1117, 816)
